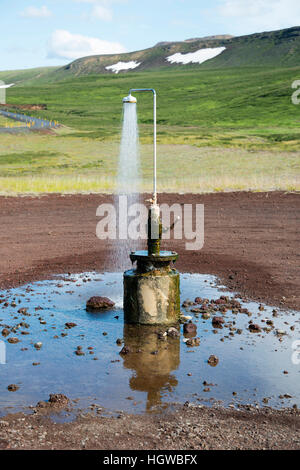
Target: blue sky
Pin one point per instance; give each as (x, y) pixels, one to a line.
(54, 32)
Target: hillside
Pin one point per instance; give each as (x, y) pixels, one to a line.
(270, 49)
(276, 48)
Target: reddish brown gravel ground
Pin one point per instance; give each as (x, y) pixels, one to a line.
(251, 240)
(251, 244)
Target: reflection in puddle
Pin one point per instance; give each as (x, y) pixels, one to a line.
(159, 369)
(152, 359)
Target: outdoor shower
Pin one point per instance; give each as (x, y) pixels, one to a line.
(151, 290)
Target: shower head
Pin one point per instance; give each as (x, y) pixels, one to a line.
(129, 99)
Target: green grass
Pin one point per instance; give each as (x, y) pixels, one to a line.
(240, 98)
(217, 130)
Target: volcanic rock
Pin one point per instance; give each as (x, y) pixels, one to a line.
(189, 327)
(99, 303)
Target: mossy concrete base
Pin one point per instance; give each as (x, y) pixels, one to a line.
(151, 298)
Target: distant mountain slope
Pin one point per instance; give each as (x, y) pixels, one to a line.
(270, 49)
(276, 48)
(27, 75)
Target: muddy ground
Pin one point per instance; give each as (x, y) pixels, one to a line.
(251, 243)
(185, 428)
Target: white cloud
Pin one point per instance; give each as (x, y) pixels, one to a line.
(33, 12)
(64, 44)
(101, 13)
(100, 9)
(259, 15)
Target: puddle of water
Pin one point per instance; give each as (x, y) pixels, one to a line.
(157, 372)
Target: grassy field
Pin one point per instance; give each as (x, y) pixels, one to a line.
(228, 129)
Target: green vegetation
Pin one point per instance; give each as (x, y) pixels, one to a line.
(4, 122)
(218, 129)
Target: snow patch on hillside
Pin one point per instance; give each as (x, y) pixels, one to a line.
(197, 57)
(116, 68)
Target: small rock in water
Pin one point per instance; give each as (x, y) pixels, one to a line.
(119, 341)
(192, 342)
(254, 328)
(13, 340)
(173, 332)
(206, 316)
(185, 317)
(189, 327)
(23, 310)
(99, 303)
(79, 351)
(125, 350)
(38, 345)
(5, 332)
(213, 360)
(280, 332)
(187, 303)
(70, 325)
(13, 388)
(217, 322)
(56, 400)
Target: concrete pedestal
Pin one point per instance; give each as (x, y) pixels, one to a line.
(151, 298)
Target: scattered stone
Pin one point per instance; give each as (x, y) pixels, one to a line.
(79, 351)
(70, 325)
(213, 360)
(173, 332)
(119, 341)
(5, 332)
(125, 350)
(192, 342)
(38, 345)
(23, 310)
(99, 303)
(13, 388)
(254, 328)
(185, 318)
(13, 340)
(206, 316)
(189, 328)
(217, 322)
(280, 332)
(56, 400)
